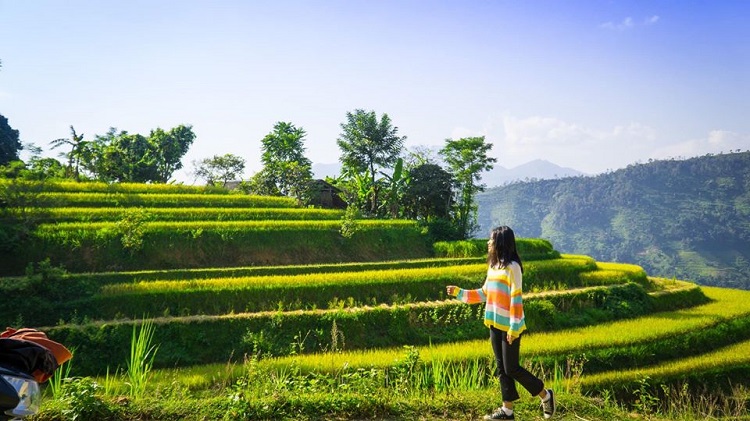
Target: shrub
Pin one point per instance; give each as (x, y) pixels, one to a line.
(528, 248)
(98, 247)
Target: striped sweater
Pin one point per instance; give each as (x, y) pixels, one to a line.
(502, 294)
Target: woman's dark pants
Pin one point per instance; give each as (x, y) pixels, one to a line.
(509, 369)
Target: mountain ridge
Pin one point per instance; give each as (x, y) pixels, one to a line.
(688, 219)
(537, 169)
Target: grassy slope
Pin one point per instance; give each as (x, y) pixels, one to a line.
(726, 305)
(296, 387)
(206, 392)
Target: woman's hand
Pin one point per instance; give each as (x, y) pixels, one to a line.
(452, 290)
(510, 339)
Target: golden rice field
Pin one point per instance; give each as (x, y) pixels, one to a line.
(637, 329)
(727, 304)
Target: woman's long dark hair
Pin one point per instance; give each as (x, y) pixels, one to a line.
(502, 248)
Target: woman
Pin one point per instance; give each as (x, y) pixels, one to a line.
(503, 315)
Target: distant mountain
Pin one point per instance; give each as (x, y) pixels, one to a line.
(537, 169)
(688, 219)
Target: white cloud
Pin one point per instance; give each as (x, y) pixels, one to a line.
(629, 23)
(595, 150)
(716, 141)
(651, 21)
(461, 132)
(635, 131)
(547, 131)
(542, 131)
(626, 23)
(587, 149)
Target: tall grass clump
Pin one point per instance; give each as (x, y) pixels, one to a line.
(457, 249)
(61, 375)
(141, 361)
(528, 248)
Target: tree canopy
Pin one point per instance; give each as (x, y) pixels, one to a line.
(78, 148)
(284, 162)
(368, 145)
(126, 157)
(467, 159)
(169, 148)
(220, 169)
(429, 193)
(10, 142)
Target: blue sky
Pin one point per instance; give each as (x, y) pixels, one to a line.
(591, 85)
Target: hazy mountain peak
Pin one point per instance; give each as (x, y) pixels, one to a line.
(537, 169)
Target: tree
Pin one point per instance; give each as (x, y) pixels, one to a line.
(44, 168)
(169, 148)
(77, 152)
(284, 161)
(121, 157)
(10, 143)
(220, 168)
(126, 157)
(394, 186)
(355, 188)
(428, 198)
(37, 168)
(299, 181)
(429, 193)
(421, 155)
(260, 184)
(467, 159)
(368, 145)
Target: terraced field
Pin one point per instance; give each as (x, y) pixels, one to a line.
(289, 297)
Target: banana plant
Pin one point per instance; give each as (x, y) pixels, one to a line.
(394, 188)
(356, 187)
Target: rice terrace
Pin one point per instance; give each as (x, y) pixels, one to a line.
(141, 282)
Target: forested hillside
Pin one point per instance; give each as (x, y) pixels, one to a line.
(688, 219)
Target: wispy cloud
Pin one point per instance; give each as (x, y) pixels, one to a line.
(591, 149)
(461, 132)
(547, 131)
(626, 23)
(585, 148)
(629, 23)
(651, 21)
(716, 141)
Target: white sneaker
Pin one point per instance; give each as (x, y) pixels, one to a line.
(548, 407)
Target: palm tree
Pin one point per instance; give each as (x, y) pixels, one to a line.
(78, 148)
